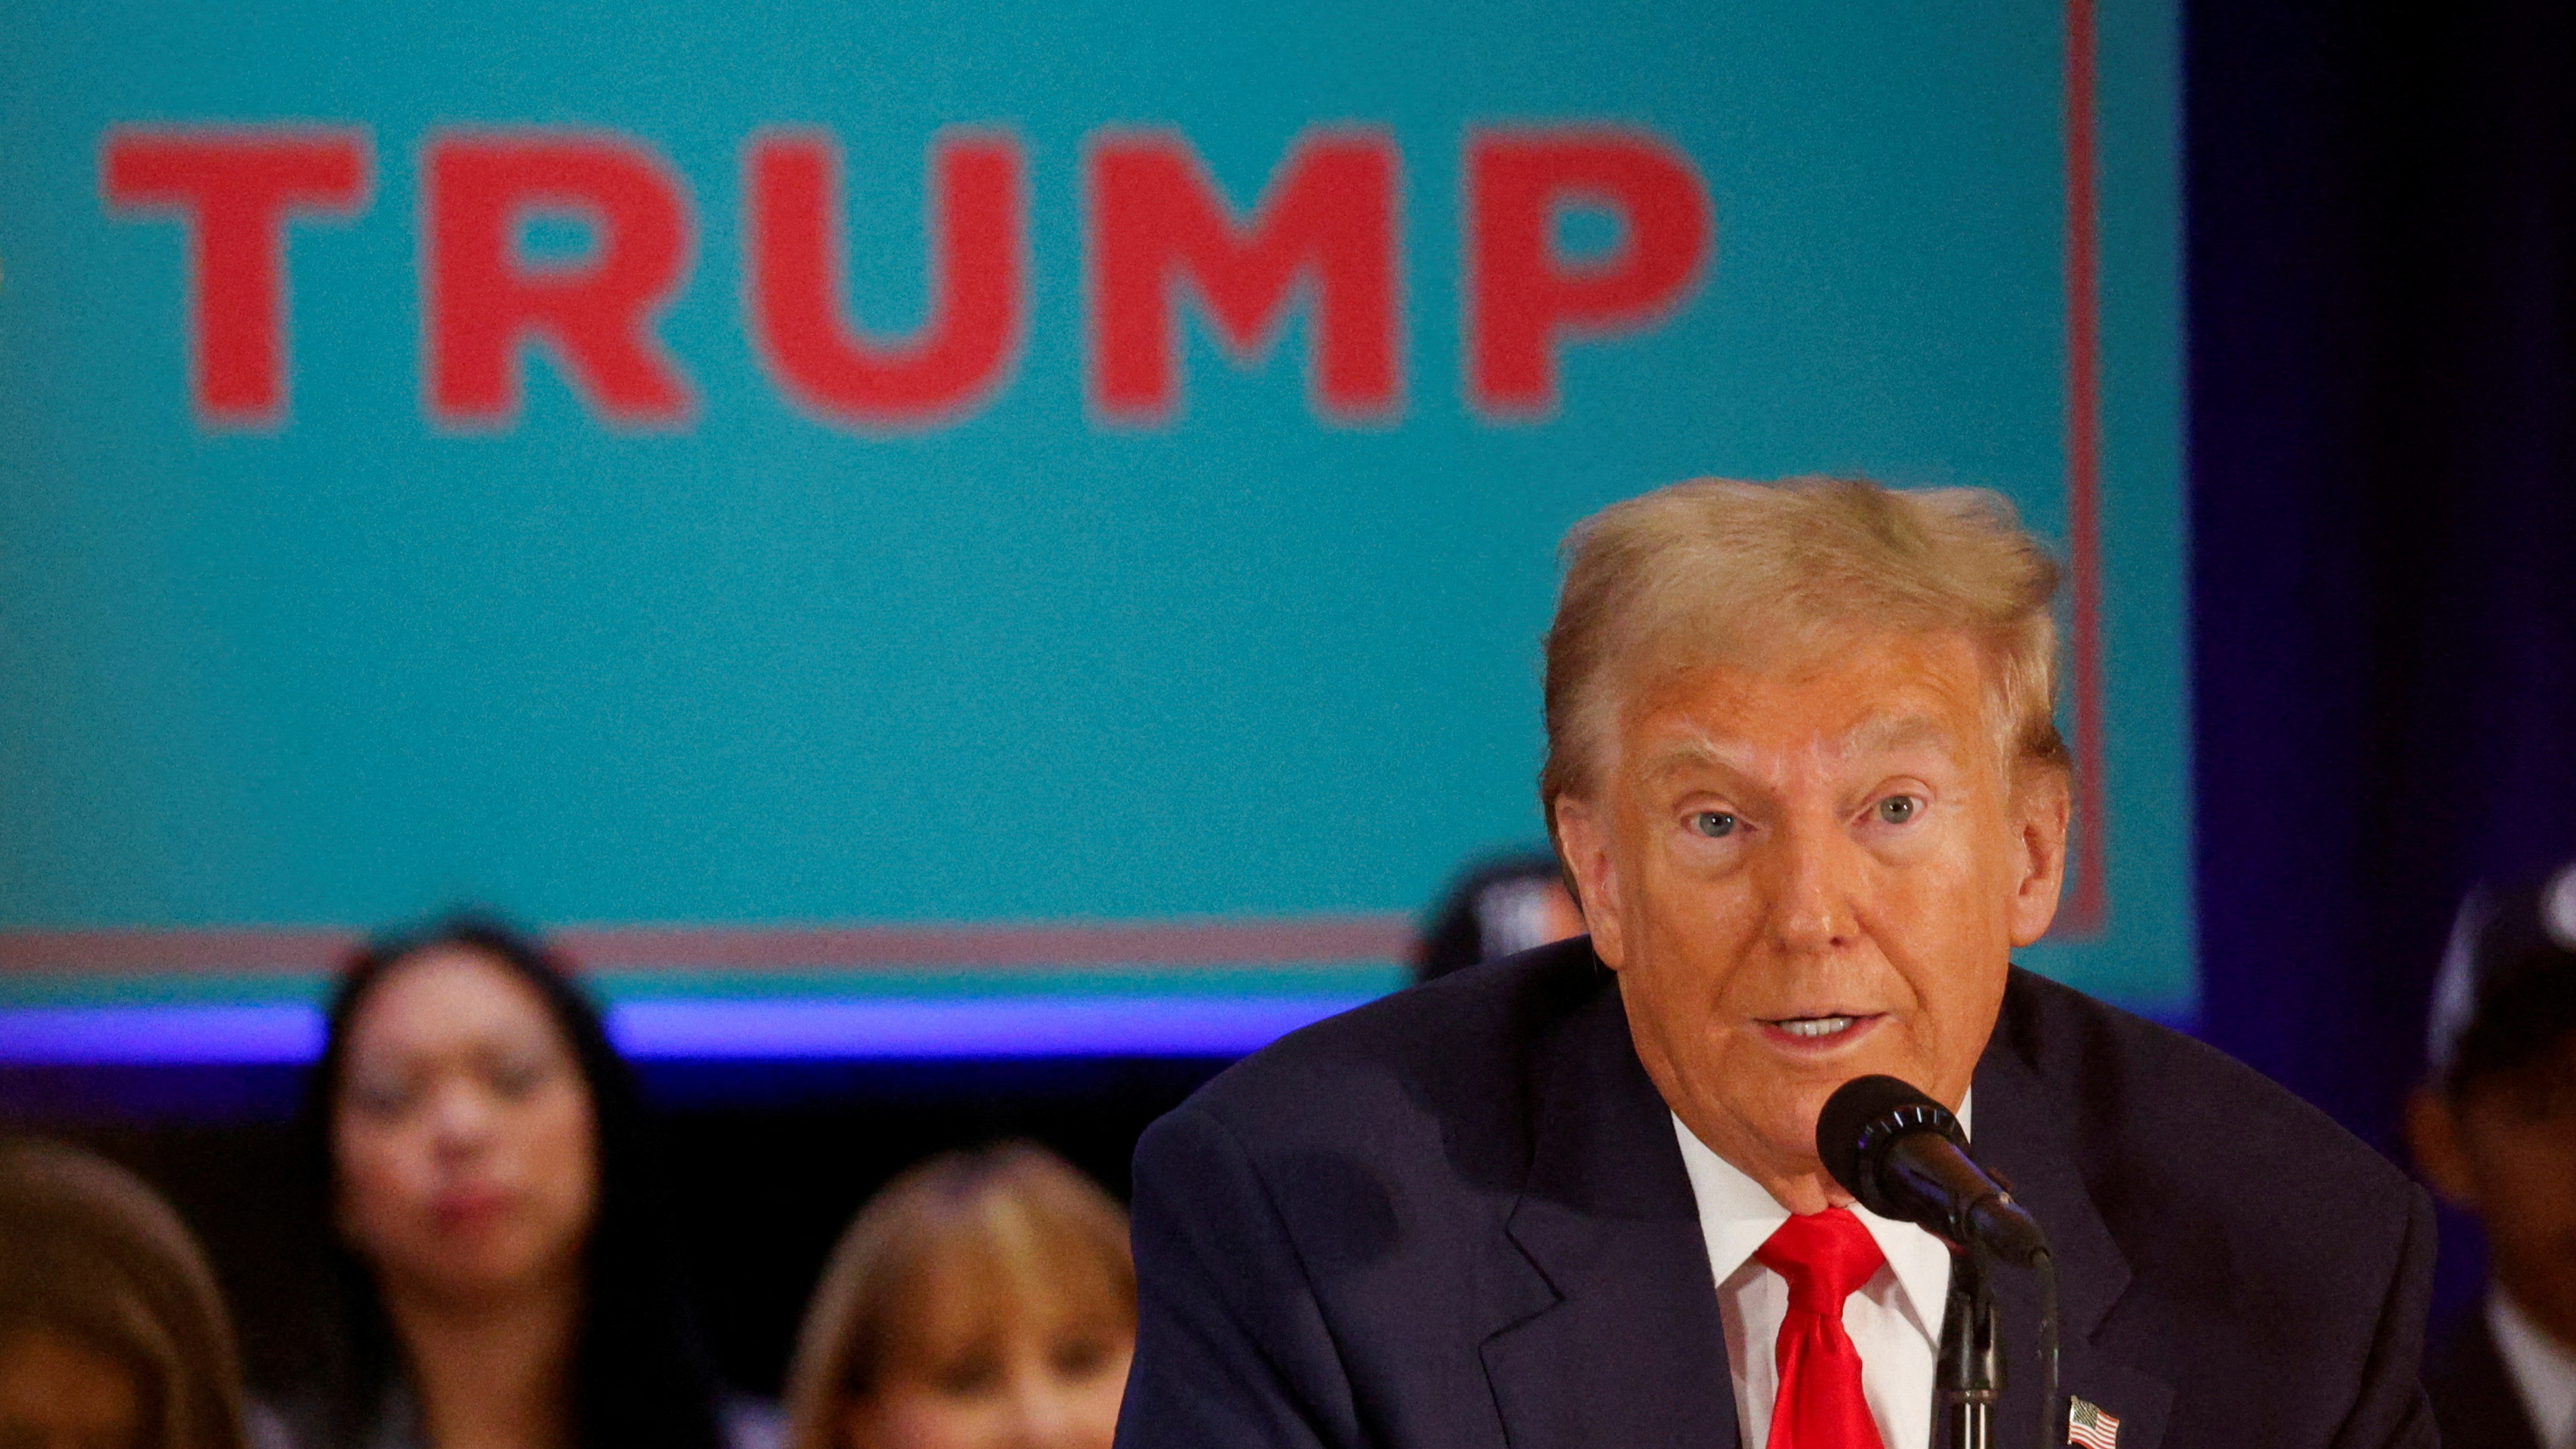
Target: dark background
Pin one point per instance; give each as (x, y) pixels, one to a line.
(2383, 535)
(2384, 640)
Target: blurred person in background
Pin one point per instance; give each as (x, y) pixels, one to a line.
(983, 1299)
(112, 1334)
(1496, 908)
(502, 1273)
(2494, 1130)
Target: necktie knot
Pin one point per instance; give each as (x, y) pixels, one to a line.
(1825, 1257)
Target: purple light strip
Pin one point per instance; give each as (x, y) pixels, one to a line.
(991, 1027)
(1050, 1026)
(159, 1035)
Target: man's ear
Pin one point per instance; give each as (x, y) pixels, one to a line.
(2433, 1133)
(2043, 800)
(1586, 843)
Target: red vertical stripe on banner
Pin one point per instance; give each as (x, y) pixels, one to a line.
(2090, 909)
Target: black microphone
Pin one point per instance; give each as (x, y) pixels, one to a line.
(1902, 1154)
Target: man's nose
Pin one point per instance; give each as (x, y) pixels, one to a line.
(1811, 905)
(1041, 1414)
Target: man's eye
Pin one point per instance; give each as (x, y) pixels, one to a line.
(1898, 809)
(1080, 1358)
(1713, 823)
(972, 1377)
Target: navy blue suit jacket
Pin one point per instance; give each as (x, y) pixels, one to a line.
(1458, 1217)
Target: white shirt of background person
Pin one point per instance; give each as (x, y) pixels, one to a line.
(2543, 1373)
(1894, 1319)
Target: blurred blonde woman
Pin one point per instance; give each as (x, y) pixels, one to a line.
(112, 1335)
(983, 1299)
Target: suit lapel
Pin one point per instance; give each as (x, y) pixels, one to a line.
(1631, 1353)
(2024, 1133)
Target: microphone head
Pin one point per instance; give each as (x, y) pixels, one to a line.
(1862, 1120)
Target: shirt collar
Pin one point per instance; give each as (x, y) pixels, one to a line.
(1738, 1216)
(2542, 1368)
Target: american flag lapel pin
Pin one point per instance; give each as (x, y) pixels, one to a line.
(2088, 1425)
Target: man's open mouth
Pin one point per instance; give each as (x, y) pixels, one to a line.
(1825, 1030)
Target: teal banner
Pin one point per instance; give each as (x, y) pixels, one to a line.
(803, 491)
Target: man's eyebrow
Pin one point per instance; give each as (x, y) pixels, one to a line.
(1695, 750)
(1883, 733)
(1879, 734)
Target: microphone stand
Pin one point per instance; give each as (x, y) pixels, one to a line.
(1970, 1379)
(1904, 1156)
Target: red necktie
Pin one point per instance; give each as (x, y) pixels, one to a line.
(1825, 1256)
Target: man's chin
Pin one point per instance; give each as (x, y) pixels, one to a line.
(1783, 1120)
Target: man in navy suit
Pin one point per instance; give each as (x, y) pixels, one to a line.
(1802, 772)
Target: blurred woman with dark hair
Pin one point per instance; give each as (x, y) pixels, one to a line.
(503, 1276)
(983, 1300)
(112, 1335)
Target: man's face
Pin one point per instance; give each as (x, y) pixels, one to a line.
(1809, 872)
(2505, 1150)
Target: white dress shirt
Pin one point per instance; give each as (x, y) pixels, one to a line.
(2542, 1370)
(1894, 1320)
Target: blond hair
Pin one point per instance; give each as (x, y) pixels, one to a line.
(992, 1235)
(1715, 570)
(89, 1252)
